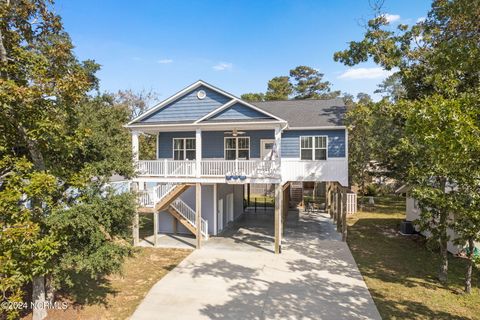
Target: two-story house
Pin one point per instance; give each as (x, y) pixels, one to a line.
(210, 144)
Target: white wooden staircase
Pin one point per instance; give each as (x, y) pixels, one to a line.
(165, 197)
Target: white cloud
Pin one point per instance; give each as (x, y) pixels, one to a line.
(221, 66)
(421, 19)
(164, 61)
(365, 73)
(391, 17)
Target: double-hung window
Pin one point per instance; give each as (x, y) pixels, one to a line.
(313, 148)
(237, 148)
(184, 148)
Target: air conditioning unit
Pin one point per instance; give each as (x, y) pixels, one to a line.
(406, 227)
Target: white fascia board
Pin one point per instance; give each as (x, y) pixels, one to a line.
(241, 101)
(231, 103)
(219, 109)
(317, 128)
(191, 87)
(162, 104)
(209, 125)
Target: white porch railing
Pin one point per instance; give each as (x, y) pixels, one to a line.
(145, 198)
(208, 168)
(189, 214)
(250, 168)
(148, 198)
(166, 168)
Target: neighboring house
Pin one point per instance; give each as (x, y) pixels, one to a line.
(210, 144)
(413, 213)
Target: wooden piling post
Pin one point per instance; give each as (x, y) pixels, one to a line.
(344, 214)
(278, 218)
(155, 228)
(198, 213)
(339, 209)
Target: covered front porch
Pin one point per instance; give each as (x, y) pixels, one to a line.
(213, 152)
(240, 170)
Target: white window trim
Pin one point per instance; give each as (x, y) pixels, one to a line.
(184, 147)
(313, 147)
(236, 146)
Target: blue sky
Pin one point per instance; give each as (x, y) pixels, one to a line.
(237, 45)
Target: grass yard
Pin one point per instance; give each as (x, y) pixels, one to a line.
(262, 200)
(400, 271)
(119, 295)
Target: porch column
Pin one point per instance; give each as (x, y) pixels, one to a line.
(198, 151)
(344, 214)
(155, 228)
(156, 146)
(215, 209)
(278, 218)
(135, 224)
(278, 144)
(328, 200)
(136, 231)
(198, 213)
(339, 208)
(135, 146)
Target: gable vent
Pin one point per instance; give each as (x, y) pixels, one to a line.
(201, 94)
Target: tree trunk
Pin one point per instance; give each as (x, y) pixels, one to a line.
(3, 55)
(443, 224)
(443, 271)
(39, 311)
(32, 146)
(468, 275)
(38, 294)
(50, 291)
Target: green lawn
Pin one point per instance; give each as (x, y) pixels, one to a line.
(117, 296)
(400, 271)
(262, 200)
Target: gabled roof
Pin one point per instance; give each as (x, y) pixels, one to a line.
(234, 100)
(311, 113)
(237, 102)
(307, 113)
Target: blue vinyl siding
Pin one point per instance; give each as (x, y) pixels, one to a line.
(291, 142)
(189, 107)
(165, 142)
(239, 112)
(212, 142)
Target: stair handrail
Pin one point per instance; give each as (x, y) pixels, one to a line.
(161, 190)
(188, 213)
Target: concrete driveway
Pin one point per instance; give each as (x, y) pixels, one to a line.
(238, 277)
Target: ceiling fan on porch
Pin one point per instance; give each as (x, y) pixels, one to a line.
(234, 132)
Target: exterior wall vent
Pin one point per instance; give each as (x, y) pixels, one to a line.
(201, 94)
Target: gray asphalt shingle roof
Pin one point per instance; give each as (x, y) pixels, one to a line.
(307, 113)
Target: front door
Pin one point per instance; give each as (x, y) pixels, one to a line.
(266, 147)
